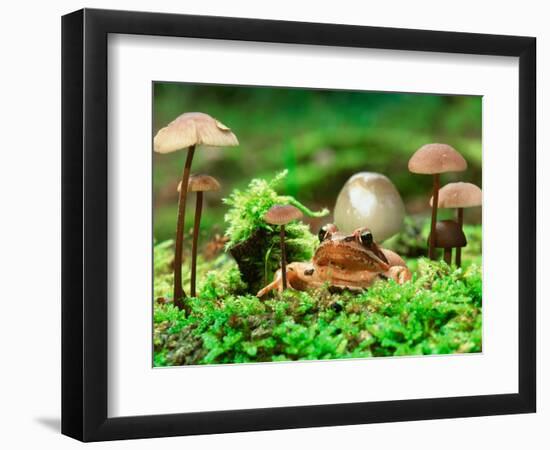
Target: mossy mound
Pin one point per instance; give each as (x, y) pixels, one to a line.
(255, 244)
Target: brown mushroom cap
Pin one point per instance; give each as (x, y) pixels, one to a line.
(193, 128)
(436, 158)
(282, 214)
(458, 195)
(448, 235)
(201, 183)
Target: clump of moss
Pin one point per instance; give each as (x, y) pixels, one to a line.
(255, 244)
(438, 312)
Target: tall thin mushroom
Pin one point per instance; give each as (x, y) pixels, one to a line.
(188, 131)
(459, 195)
(434, 159)
(282, 215)
(198, 184)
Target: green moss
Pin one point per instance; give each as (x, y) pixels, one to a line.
(438, 312)
(254, 243)
(247, 208)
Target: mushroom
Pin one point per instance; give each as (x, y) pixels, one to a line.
(281, 215)
(188, 131)
(449, 235)
(369, 199)
(434, 159)
(459, 195)
(198, 184)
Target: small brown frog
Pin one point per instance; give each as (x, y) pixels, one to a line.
(346, 261)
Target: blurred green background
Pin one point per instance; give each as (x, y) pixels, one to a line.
(321, 136)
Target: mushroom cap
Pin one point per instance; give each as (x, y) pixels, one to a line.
(369, 199)
(201, 183)
(436, 158)
(282, 214)
(448, 234)
(458, 195)
(193, 128)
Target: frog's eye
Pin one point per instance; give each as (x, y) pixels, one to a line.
(324, 233)
(327, 231)
(366, 238)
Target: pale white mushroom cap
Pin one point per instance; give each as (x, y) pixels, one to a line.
(458, 195)
(437, 158)
(371, 200)
(193, 128)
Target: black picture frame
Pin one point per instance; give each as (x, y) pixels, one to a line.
(84, 224)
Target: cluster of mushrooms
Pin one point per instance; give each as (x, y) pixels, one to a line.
(187, 132)
(436, 159)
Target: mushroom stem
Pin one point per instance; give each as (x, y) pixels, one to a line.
(435, 194)
(283, 257)
(196, 227)
(460, 221)
(447, 255)
(179, 294)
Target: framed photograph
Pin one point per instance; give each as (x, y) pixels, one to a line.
(273, 224)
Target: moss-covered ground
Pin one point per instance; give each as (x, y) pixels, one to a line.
(438, 312)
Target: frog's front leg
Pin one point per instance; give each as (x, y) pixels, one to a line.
(299, 275)
(400, 274)
(398, 270)
(277, 283)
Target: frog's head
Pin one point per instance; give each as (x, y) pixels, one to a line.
(355, 251)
